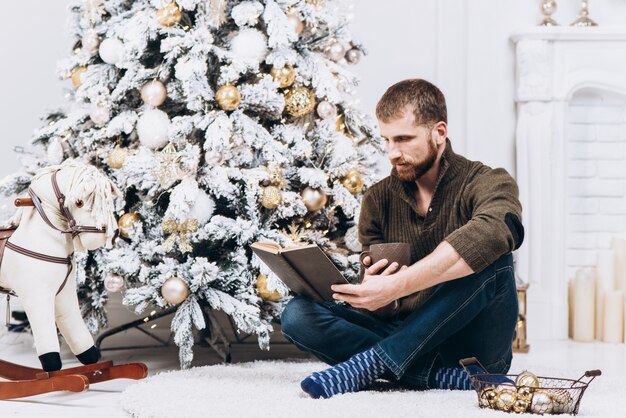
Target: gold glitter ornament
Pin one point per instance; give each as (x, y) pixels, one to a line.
(314, 199)
(117, 157)
(174, 290)
(525, 393)
(262, 290)
(271, 198)
(170, 15)
(228, 97)
(75, 76)
(169, 166)
(520, 406)
(284, 75)
(488, 397)
(505, 399)
(299, 101)
(128, 223)
(353, 181)
(527, 378)
(275, 174)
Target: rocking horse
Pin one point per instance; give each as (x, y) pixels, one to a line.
(37, 265)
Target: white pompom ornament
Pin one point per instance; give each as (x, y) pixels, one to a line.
(249, 45)
(152, 128)
(100, 114)
(111, 50)
(55, 152)
(203, 208)
(153, 93)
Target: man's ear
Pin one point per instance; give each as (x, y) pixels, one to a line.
(441, 128)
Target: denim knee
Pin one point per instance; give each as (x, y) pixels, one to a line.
(294, 316)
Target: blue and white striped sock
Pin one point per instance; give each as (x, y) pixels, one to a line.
(453, 378)
(357, 373)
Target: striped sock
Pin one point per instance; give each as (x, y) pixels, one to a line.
(453, 378)
(358, 372)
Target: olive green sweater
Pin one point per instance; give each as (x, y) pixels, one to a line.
(474, 208)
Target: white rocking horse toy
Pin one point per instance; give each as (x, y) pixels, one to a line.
(37, 265)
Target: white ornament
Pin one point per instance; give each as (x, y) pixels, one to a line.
(203, 209)
(353, 56)
(249, 45)
(111, 50)
(113, 283)
(336, 51)
(153, 93)
(326, 110)
(55, 152)
(152, 128)
(298, 25)
(352, 239)
(100, 115)
(90, 42)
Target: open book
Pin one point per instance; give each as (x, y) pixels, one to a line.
(306, 270)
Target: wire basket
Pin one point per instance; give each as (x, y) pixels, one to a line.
(550, 396)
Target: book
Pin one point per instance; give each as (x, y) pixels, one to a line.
(306, 270)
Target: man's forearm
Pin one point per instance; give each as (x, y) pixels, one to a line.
(442, 265)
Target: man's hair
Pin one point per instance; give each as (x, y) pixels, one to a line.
(423, 98)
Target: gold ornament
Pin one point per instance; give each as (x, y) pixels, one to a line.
(272, 197)
(525, 393)
(169, 166)
(527, 378)
(263, 291)
(520, 406)
(299, 101)
(228, 97)
(128, 223)
(562, 399)
(340, 124)
(174, 290)
(180, 230)
(284, 75)
(487, 397)
(505, 399)
(314, 199)
(353, 182)
(169, 15)
(117, 157)
(75, 76)
(275, 174)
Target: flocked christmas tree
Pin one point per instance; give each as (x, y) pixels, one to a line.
(224, 123)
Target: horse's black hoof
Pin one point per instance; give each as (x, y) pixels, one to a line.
(50, 362)
(90, 356)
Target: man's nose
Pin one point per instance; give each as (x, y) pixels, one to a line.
(393, 153)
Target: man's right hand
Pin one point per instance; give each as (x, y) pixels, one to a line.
(372, 270)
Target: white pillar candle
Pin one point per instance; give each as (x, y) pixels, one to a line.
(619, 246)
(570, 304)
(605, 275)
(584, 307)
(613, 317)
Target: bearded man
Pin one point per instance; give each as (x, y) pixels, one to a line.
(462, 221)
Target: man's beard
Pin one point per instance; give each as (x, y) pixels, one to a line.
(415, 170)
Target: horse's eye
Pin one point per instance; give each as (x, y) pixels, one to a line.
(79, 204)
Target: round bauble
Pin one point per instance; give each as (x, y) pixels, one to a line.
(117, 157)
(353, 181)
(520, 406)
(76, 76)
(275, 174)
(271, 198)
(249, 45)
(128, 224)
(90, 42)
(541, 403)
(152, 128)
(169, 15)
(203, 207)
(111, 50)
(55, 152)
(525, 393)
(174, 290)
(154, 93)
(100, 115)
(326, 110)
(298, 24)
(505, 399)
(299, 101)
(527, 378)
(335, 51)
(314, 199)
(228, 97)
(487, 397)
(114, 283)
(264, 292)
(284, 75)
(353, 56)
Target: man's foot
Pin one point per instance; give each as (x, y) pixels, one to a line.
(456, 378)
(353, 375)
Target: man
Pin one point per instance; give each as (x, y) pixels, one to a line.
(462, 220)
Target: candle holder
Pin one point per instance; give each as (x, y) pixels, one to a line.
(547, 8)
(584, 20)
(519, 339)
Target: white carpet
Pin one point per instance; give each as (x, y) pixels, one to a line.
(271, 389)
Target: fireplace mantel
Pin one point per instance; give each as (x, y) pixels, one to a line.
(551, 65)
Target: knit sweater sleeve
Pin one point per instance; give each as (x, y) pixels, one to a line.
(370, 221)
(494, 227)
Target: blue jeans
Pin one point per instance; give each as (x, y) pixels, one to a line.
(473, 316)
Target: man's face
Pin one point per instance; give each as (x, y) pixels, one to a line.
(412, 149)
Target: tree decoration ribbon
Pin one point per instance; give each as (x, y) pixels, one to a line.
(170, 226)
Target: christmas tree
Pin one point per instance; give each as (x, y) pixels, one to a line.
(224, 123)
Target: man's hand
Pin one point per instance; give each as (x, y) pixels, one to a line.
(375, 291)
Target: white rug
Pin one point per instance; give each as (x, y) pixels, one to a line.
(271, 389)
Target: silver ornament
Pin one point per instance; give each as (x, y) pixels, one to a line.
(541, 403)
(326, 110)
(336, 52)
(353, 56)
(175, 290)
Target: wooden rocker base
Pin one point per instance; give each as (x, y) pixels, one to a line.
(28, 381)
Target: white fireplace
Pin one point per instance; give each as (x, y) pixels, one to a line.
(571, 159)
